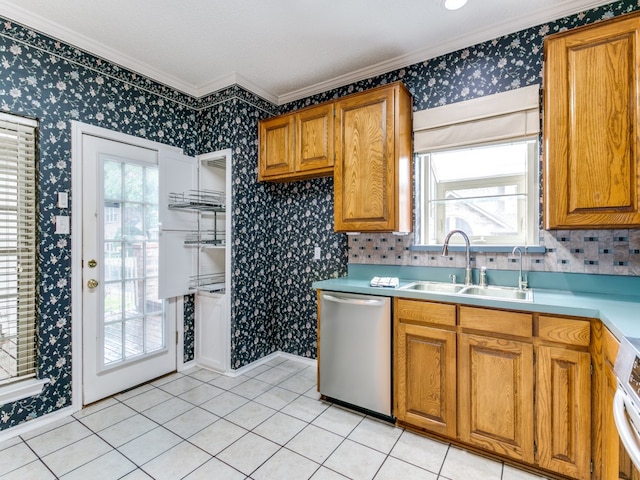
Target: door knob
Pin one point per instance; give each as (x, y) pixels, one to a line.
(92, 283)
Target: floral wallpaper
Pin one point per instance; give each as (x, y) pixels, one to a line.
(274, 226)
(43, 78)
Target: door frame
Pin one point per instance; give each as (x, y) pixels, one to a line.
(77, 130)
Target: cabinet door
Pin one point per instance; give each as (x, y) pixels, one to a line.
(212, 331)
(495, 401)
(176, 263)
(425, 361)
(276, 147)
(591, 118)
(372, 156)
(563, 410)
(314, 134)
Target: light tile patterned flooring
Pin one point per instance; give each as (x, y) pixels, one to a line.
(268, 424)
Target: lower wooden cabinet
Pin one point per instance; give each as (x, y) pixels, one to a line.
(616, 464)
(425, 360)
(495, 382)
(514, 384)
(426, 378)
(563, 410)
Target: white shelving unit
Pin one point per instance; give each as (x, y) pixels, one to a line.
(195, 230)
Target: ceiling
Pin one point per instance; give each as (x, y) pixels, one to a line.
(282, 50)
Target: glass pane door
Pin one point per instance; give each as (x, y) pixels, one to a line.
(133, 314)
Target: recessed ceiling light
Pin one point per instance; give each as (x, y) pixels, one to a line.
(454, 4)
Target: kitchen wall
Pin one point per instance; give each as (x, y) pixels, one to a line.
(43, 78)
(502, 64)
(275, 228)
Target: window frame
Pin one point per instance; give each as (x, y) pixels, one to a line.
(527, 213)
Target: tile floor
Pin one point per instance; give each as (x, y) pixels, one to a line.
(266, 424)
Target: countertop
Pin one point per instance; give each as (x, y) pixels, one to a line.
(619, 312)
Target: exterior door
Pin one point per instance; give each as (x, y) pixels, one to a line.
(128, 331)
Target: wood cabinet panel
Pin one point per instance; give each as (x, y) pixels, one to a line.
(315, 134)
(497, 321)
(495, 381)
(564, 330)
(297, 145)
(426, 378)
(276, 147)
(426, 312)
(563, 410)
(372, 172)
(591, 117)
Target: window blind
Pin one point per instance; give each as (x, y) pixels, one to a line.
(511, 114)
(18, 247)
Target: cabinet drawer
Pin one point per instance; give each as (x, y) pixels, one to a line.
(497, 321)
(564, 330)
(426, 312)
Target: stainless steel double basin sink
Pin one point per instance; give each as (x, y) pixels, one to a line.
(491, 292)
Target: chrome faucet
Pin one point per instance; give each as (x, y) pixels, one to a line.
(522, 280)
(445, 252)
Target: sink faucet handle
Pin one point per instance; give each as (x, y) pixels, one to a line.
(483, 276)
(452, 277)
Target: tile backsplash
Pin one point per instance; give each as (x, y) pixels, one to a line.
(610, 252)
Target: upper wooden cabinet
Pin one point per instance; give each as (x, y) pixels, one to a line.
(372, 173)
(591, 118)
(298, 145)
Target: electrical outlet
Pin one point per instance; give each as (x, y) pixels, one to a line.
(316, 253)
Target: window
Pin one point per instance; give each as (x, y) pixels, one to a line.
(18, 247)
(485, 190)
(477, 170)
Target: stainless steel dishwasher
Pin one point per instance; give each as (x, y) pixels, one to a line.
(355, 350)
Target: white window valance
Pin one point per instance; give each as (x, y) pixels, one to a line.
(511, 114)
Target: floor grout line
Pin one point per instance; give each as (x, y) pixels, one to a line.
(293, 396)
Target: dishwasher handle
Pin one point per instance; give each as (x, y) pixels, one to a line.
(369, 302)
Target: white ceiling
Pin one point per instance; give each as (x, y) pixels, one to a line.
(282, 50)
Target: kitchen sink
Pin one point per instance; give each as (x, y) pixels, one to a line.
(436, 287)
(506, 293)
(503, 293)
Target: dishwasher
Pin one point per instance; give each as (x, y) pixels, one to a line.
(355, 351)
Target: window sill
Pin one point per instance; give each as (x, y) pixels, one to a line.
(23, 389)
(477, 248)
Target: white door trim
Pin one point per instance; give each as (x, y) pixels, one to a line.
(77, 130)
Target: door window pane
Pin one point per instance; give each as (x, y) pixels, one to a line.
(134, 316)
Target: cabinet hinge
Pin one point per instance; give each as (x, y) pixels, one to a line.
(535, 448)
(176, 338)
(592, 369)
(591, 466)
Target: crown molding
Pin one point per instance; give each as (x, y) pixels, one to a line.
(57, 31)
(49, 28)
(237, 79)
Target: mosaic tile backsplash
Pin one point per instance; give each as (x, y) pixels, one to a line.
(274, 226)
(610, 252)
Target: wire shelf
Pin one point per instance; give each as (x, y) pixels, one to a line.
(211, 282)
(204, 200)
(206, 238)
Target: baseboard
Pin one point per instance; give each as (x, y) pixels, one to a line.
(36, 423)
(187, 366)
(262, 361)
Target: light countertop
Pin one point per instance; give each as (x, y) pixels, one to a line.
(620, 312)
